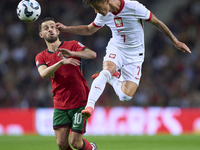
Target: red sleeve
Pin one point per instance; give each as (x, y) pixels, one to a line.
(78, 46)
(39, 60)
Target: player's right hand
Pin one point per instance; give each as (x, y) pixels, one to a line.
(72, 61)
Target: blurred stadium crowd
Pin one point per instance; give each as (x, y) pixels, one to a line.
(169, 77)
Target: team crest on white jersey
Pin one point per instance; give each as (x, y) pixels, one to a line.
(118, 22)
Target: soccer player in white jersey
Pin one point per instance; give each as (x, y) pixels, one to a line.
(125, 50)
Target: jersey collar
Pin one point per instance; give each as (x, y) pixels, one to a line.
(58, 47)
(120, 9)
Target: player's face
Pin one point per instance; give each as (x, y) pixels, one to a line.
(101, 7)
(49, 32)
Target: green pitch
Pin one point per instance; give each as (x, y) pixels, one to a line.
(158, 142)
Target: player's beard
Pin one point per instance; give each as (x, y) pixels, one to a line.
(51, 39)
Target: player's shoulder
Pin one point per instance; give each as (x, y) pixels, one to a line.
(131, 3)
(64, 43)
(133, 6)
(73, 42)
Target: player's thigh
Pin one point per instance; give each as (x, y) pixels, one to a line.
(78, 123)
(62, 135)
(61, 126)
(113, 60)
(61, 118)
(110, 66)
(130, 75)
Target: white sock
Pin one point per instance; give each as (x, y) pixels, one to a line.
(97, 87)
(117, 86)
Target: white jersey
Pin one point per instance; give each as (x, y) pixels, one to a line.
(126, 26)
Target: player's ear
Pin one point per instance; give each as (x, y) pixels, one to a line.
(40, 34)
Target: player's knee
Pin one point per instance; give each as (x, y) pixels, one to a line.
(106, 74)
(124, 97)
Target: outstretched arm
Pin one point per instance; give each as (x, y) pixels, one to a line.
(46, 72)
(163, 28)
(86, 54)
(80, 30)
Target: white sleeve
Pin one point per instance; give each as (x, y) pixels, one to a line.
(98, 21)
(141, 11)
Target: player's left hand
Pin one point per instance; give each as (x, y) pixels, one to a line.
(182, 46)
(61, 27)
(64, 52)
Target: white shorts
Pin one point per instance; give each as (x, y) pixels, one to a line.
(130, 66)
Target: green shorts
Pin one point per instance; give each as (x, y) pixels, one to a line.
(69, 118)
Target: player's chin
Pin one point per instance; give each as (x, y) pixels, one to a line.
(103, 13)
(51, 39)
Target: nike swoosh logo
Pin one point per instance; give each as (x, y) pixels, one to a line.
(47, 62)
(137, 78)
(97, 87)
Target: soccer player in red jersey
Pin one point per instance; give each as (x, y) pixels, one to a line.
(60, 62)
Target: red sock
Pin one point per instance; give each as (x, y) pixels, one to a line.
(86, 145)
(69, 148)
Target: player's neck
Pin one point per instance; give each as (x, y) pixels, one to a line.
(53, 46)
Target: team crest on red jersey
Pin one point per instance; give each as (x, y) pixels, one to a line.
(118, 22)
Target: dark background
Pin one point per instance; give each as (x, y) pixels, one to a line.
(169, 77)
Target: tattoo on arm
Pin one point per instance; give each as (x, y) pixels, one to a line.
(163, 28)
(166, 31)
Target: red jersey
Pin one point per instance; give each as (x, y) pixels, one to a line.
(69, 87)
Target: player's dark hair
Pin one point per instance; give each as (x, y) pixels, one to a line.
(87, 3)
(44, 20)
